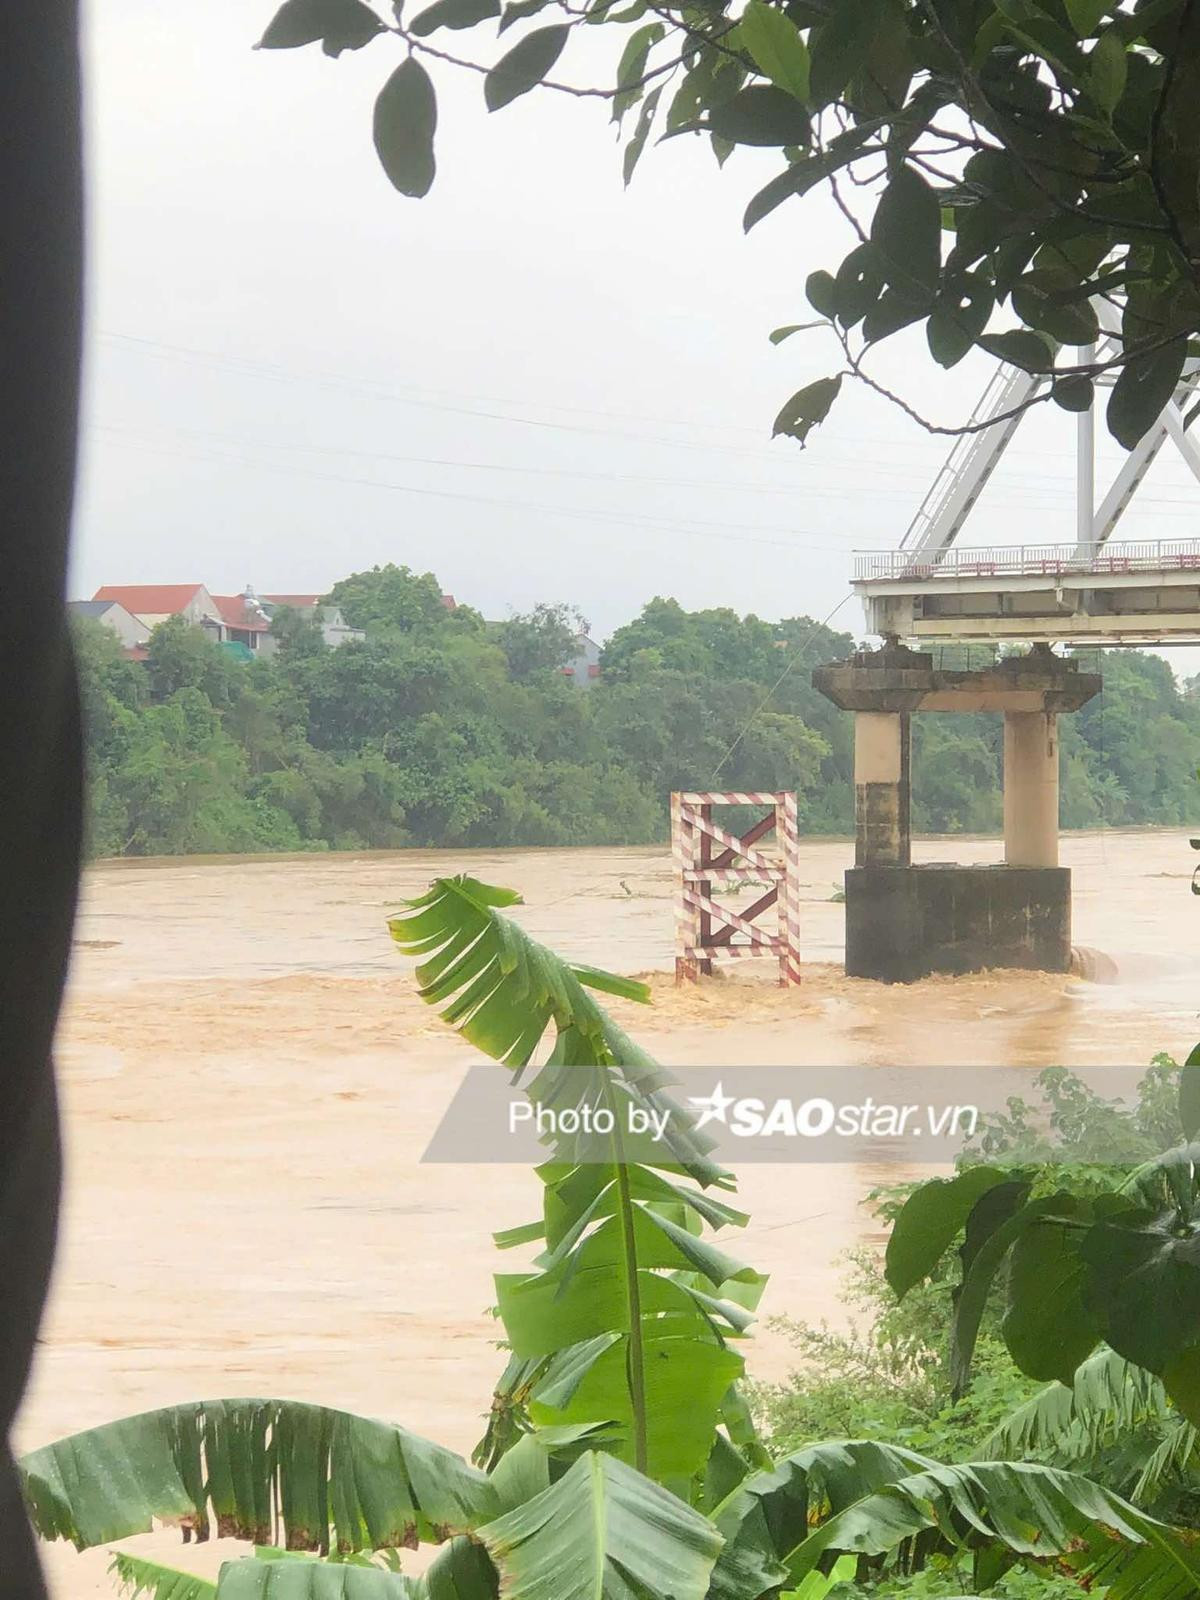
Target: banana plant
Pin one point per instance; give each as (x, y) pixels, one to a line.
(621, 1461)
(1113, 1415)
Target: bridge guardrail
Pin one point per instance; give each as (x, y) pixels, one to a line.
(1146, 555)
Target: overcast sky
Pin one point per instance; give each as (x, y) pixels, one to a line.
(534, 383)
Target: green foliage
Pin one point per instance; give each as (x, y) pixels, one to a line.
(1089, 1251)
(602, 1530)
(390, 598)
(1008, 160)
(539, 642)
(439, 731)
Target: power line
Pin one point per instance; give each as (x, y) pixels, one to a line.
(793, 660)
(481, 466)
(1038, 502)
(611, 519)
(371, 389)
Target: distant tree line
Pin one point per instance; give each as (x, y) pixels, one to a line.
(442, 730)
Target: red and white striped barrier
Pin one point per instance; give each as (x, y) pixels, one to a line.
(705, 929)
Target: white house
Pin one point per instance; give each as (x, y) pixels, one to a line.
(130, 630)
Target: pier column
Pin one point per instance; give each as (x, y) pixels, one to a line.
(1030, 789)
(882, 791)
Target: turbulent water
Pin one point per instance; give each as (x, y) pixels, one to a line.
(248, 1082)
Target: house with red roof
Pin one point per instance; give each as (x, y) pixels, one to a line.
(153, 603)
(242, 620)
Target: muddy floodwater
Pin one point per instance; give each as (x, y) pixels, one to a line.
(248, 1082)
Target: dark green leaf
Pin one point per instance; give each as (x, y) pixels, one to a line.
(1146, 1281)
(762, 115)
(453, 14)
(518, 10)
(807, 408)
(1106, 70)
(1021, 348)
(822, 293)
(525, 65)
(1073, 393)
(977, 1282)
(958, 318)
(858, 284)
(1048, 1326)
(1189, 1095)
(632, 66)
(1142, 389)
(1045, 300)
(633, 150)
(839, 46)
(1085, 15)
(805, 173)
(776, 47)
(931, 1219)
(338, 24)
(1045, 38)
(1181, 1380)
(891, 312)
(782, 187)
(907, 232)
(405, 123)
(778, 335)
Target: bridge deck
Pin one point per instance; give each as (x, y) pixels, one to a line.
(1130, 592)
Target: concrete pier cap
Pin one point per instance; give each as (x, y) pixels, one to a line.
(902, 922)
(897, 679)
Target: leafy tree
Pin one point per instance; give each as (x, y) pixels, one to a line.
(540, 641)
(390, 597)
(1019, 176)
(180, 656)
(620, 1457)
(296, 634)
(958, 773)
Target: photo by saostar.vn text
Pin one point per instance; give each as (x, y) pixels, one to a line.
(752, 1116)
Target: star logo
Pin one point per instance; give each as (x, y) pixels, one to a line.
(713, 1107)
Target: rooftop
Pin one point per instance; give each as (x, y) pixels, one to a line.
(153, 598)
(235, 612)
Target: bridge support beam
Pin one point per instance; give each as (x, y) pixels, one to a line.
(882, 789)
(1030, 789)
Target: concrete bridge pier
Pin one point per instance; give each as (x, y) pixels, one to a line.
(1030, 789)
(903, 921)
(882, 789)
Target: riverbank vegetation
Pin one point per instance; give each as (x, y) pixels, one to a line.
(442, 730)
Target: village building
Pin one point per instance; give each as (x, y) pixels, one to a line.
(240, 623)
(129, 629)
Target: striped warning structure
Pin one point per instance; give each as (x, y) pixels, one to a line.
(706, 855)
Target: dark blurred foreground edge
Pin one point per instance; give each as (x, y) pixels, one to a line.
(40, 804)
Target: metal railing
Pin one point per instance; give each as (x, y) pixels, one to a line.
(1031, 560)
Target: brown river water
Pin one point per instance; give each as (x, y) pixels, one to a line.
(248, 1082)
